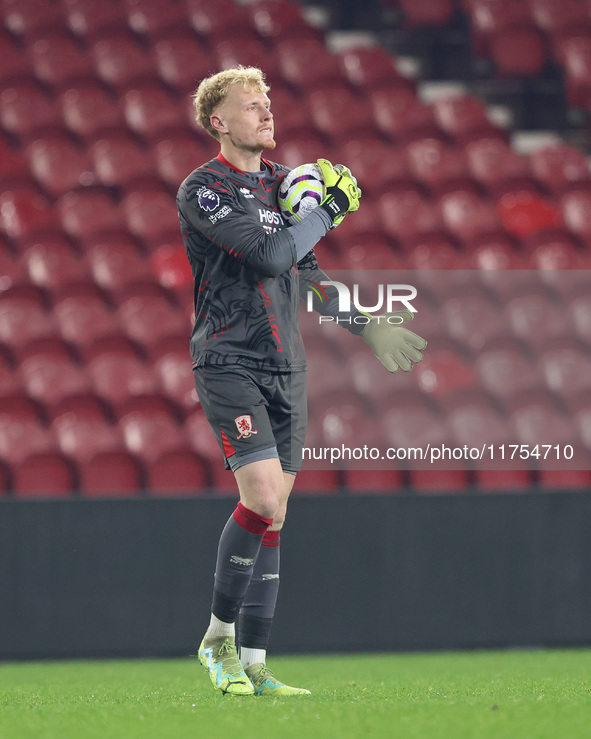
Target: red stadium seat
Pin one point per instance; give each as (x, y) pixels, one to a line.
(12, 269)
(177, 472)
(58, 165)
(150, 17)
(119, 60)
(203, 441)
(177, 157)
(110, 474)
(534, 317)
(560, 166)
(472, 319)
(23, 212)
(49, 372)
(306, 64)
(216, 21)
(9, 380)
(443, 372)
(523, 213)
(399, 114)
(151, 215)
(87, 109)
(439, 481)
(23, 316)
(44, 475)
(475, 421)
(564, 479)
(88, 18)
(434, 163)
(15, 63)
(149, 427)
(370, 67)
(427, 13)
(250, 51)
(466, 214)
(150, 110)
(181, 60)
(576, 211)
(22, 432)
(505, 369)
(554, 15)
(117, 371)
(383, 482)
(12, 161)
(115, 261)
(83, 316)
(492, 481)
(317, 482)
(579, 314)
(406, 212)
(374, 163)
(409, 420)
(300, 149)
(280, 19)
(172, 365)
(461, 115)
(25, 17)
(57, 58)
(537, 419)
(566, 366)
(518, 51)
(120, 160)
(338, 114)
(83, 429)
(26, 109)
(575, 53)
(492, 161)
(171, 267)
(87, 213)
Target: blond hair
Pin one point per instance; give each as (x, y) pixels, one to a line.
(212, 92)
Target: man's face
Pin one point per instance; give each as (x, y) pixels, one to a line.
(245, 117)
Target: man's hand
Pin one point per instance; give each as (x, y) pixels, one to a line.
(341, 193)
(395, 346)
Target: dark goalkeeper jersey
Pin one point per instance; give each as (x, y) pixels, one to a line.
(247, 279)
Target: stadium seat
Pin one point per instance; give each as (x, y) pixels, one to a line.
(579, 313)
(24, 17)
(534, 317)
(554, 15)
(475, 420)
(443, 372)
(88, 109)
(399, 114)
(575, 206)
(302, 148)
(24, 317)
(9, 380)
(370, 67)
(461, 116)
(149, 427)
(275, 20)
(466, 214)
(574, 51)
(171, 267)
(306, 64)
(58, 165)
(371, 482)
(406, 212)
(492, 161)
(177, 472)
(15, 63)
(49, 372)
(12, 269)
(518, 51)
(564, 479)
(472, 318)
(87, 18)
(85, 213)
(150, 110)
(12, 161)
(426, 13)
(119, 60)
(115, 473)
(408, 419)
(116, 370)
(216, 21)
(522, 213)
(439, 481)
(367, 251)
(44, 475)
(27, 109)
(171, 362)
(375, 164)
(151, 214)
(181, 61)
(566, 365)
(115, 261)
(559, 166)
(24, 212)
(120, 160)
(435, 164)
(83, 316)
(22, 431)
(203, 441)
(153, 17)
(537, 419)
(505, 369)
(57, 58)
(177, 157)
(83, 430)
(317, 482)
(498, 480)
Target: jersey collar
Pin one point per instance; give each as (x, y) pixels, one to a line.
(221, 158)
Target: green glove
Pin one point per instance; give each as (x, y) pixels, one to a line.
(395, 346)
(341, 193)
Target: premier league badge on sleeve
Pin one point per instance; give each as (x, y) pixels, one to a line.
(208, 199)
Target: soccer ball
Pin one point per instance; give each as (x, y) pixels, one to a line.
(300, 191)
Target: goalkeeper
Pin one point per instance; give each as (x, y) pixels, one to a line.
(248, 357)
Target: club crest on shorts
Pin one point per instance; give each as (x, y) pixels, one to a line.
(244, 426)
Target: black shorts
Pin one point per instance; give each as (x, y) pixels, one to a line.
(255, 414)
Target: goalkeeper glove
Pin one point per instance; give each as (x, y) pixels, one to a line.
(341, 193)
(395, 346)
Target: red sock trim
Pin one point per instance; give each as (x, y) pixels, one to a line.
(271, 538)
(251, 521)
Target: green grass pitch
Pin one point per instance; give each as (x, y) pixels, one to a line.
(534, 694)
